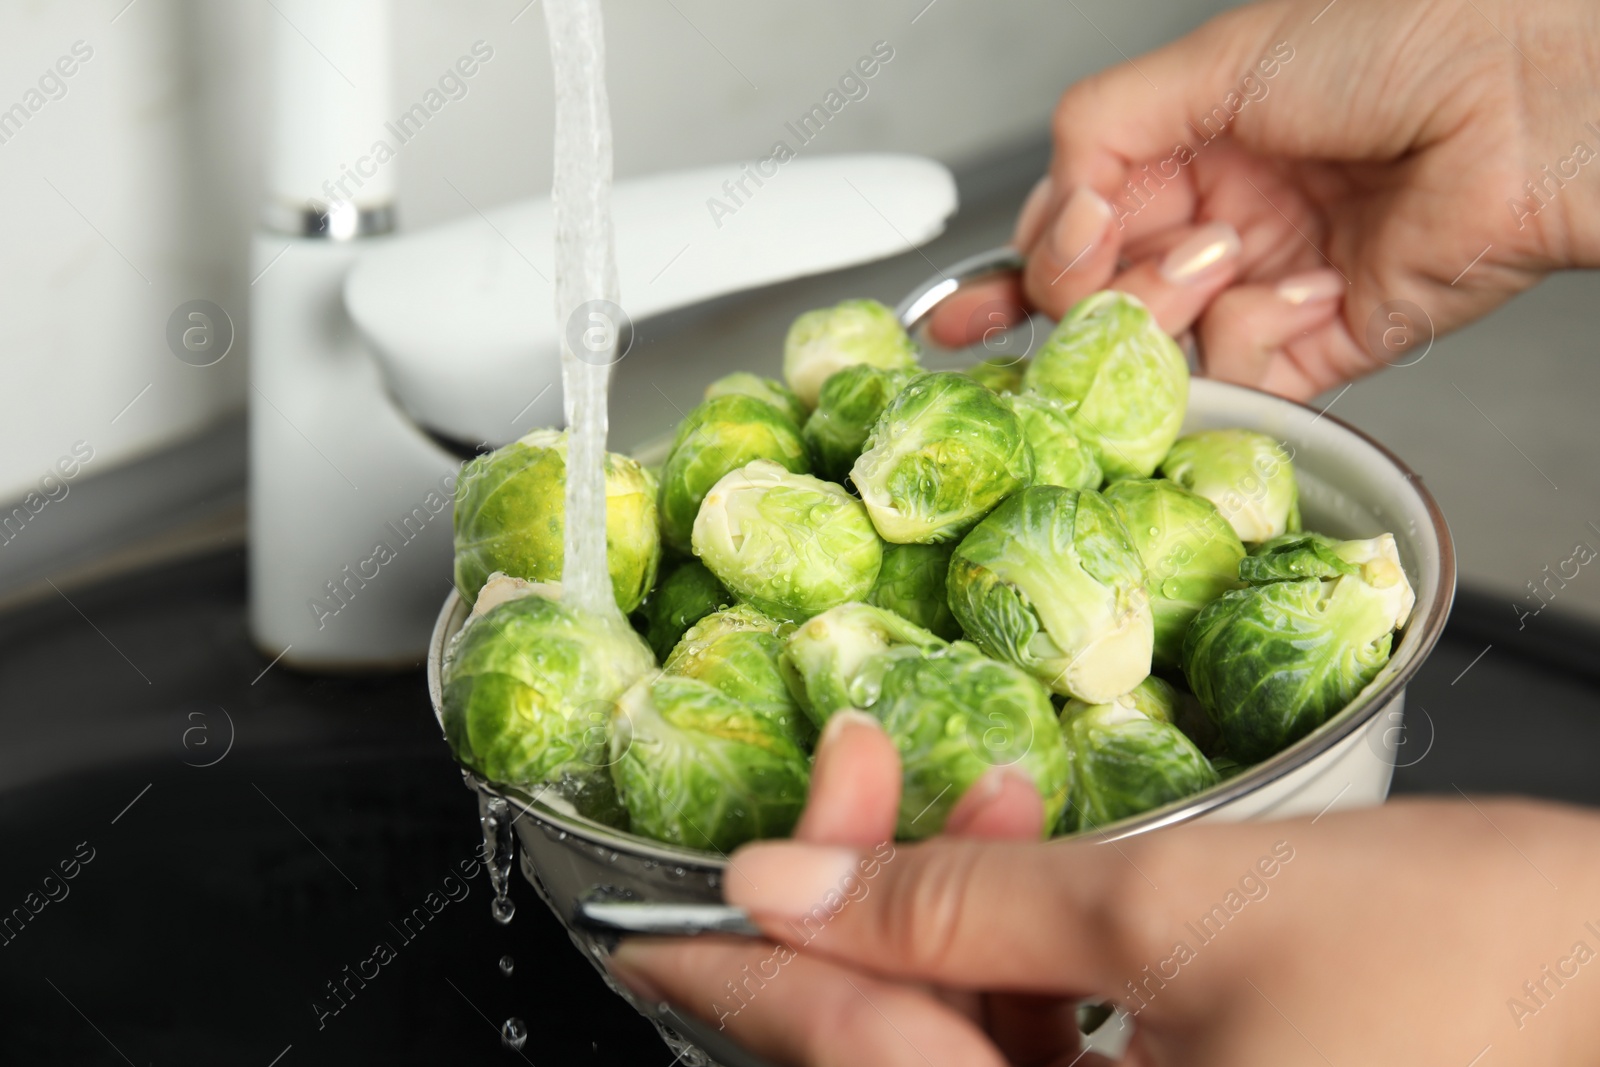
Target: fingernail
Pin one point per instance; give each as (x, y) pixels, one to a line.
(1212, 247)
(1300, 289)
(625, 965)
(1081, 227)
(982, 795)
(787, 880)
(842, 722)
(979, 795)
(1032, 214)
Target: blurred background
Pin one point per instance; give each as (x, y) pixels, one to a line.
(138, 188)
(133, 186)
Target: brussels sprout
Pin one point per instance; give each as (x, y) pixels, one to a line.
(1001, 375)
(1060, 456)
(847, 409)
(1092, 1015)
(911, 584)
(1247, 475)
(527, 691)
(774, 392)
(953, 713)
(826, 662)
(722, 435)
(1228, 767)
(1051, 582)
(1191, 555)
(1124, 762)
(696, 767)
(1154, 698)
(510, 517)
(823, 342)
(1272, 662)
(1296, 555)
(942, 455)
(738, 651)
(1124, 381)
(684, 597)
(790, 544)
(1187, 715)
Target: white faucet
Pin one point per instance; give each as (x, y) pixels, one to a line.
(377, 361)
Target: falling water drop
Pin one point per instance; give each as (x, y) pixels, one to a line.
(499, 854)
(506, 965)
(514, 1033)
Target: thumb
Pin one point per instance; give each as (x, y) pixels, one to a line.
(1070, 917)
(956, 912)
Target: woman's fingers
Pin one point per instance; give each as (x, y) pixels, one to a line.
(944, 911)
(1187, 276)
(1276, 336)
(1035, 210)
(855, 792)
(1002, 805)
(855, 784)
(1074, 254)
(794, 1008)
(978, 313)
(1140, 110)
(1032, 1030)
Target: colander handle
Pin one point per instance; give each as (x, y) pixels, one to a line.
(663, 919)
(997, 262)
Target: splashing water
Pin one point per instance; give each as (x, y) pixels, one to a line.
(586, 272)
(499, 848)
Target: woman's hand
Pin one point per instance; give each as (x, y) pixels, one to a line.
(1403, 934)
(1279, 176)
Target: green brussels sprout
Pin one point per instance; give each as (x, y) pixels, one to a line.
(1228, 767)
(722, 435)
(1296, 555)
(790, 544)
(1060, 455)
(1190, 553)
(1154, 698)
(1002, 374)
(911, 584)
(1247, 475)
(1052, 583)
(698, 768)
(945, 451)
(1187, 715)
(827, 659)
(527, 692)
(1124, 763)
(738, 650)
(825, 341)
(510, 516)
(1272, 662)
(1092, 1015)
(684, 597)
(774, 392)
(1124, 381)
(953, 713)
(847, 409)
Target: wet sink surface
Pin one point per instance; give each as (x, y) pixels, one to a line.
(225, 887)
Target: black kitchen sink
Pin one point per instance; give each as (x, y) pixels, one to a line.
(213, 860)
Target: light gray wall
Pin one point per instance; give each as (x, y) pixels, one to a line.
(154, 152)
